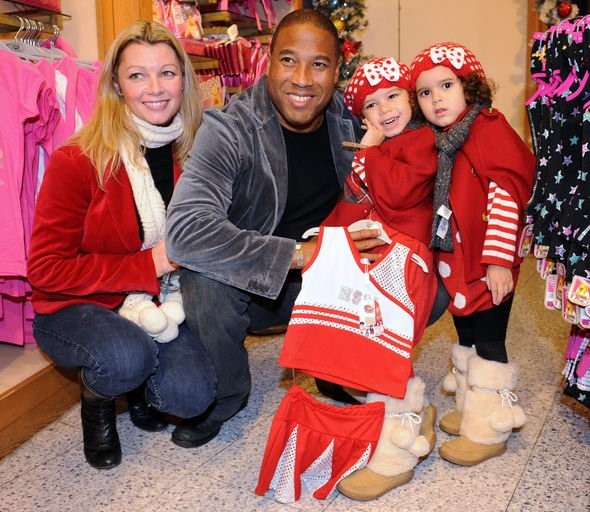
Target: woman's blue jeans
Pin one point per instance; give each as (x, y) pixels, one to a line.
(117, 356)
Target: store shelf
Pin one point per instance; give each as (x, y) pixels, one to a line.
(201, 63)
(9, 21)
(41, 5)
(214, 21)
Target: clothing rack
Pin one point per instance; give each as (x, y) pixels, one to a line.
(559, 209)
(49, 94)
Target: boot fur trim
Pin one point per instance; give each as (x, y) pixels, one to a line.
(413, 401)
(490, 412)
(400, 443)
(491, 374)
(460, 355)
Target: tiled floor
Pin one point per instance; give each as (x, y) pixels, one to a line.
(546, 467)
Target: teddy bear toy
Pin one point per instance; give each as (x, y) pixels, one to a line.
(398, 450)
(161, 322)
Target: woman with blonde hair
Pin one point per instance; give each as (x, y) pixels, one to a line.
(98, 255)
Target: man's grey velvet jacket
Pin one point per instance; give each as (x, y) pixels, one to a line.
(232, 192)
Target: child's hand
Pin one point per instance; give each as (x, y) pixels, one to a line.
(374, 135)
(499, 282)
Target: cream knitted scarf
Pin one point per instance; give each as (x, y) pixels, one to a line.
(149, 203)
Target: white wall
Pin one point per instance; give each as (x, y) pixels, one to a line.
(80, 30)
(494, 31)
(382, 35)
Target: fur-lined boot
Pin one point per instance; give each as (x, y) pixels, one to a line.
(428, 417)
(399, 447)
(489, 414)
(456, 382)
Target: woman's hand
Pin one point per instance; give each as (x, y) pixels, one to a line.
(161, 262)
(499, 281)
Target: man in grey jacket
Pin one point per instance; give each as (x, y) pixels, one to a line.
(263, 169)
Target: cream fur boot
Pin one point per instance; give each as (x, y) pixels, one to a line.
(456, 382)
(489, 414)
(399, 447)
(428, 416)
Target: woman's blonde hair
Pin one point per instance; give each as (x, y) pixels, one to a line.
(111, 124)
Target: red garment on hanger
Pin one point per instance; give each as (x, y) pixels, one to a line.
(332, 336)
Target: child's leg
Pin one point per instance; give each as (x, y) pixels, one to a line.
(465, 330)
(489, 331)
(455, 381)
(490, 411)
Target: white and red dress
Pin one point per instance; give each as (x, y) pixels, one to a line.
(356, 324)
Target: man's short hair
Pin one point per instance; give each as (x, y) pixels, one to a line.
(310, 17)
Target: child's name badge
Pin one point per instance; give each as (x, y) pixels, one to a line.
(579, 291)
(526, 241)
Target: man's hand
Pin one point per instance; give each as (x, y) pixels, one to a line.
(366, 239)
(499, 282)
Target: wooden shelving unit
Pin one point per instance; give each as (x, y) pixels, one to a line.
(9, 21)
(201, 63)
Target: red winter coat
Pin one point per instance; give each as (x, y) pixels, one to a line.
(401, 174)
(86, 246)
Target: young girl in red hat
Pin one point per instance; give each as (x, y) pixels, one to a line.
(379, 94)
(484, 177)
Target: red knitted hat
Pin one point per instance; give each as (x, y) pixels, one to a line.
(456, 57)
(373, 75)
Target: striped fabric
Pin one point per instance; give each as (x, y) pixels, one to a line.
(502, 231)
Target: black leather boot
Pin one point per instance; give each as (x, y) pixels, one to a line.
(196, 432)
(99, 427)
(141, 414)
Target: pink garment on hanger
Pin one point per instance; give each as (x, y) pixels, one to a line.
(61, 44)
(20, 106)
(30, 119)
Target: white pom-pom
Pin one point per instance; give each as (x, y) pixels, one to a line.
(168, 334)
(153, 320)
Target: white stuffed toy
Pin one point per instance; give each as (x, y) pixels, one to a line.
(161, 322)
